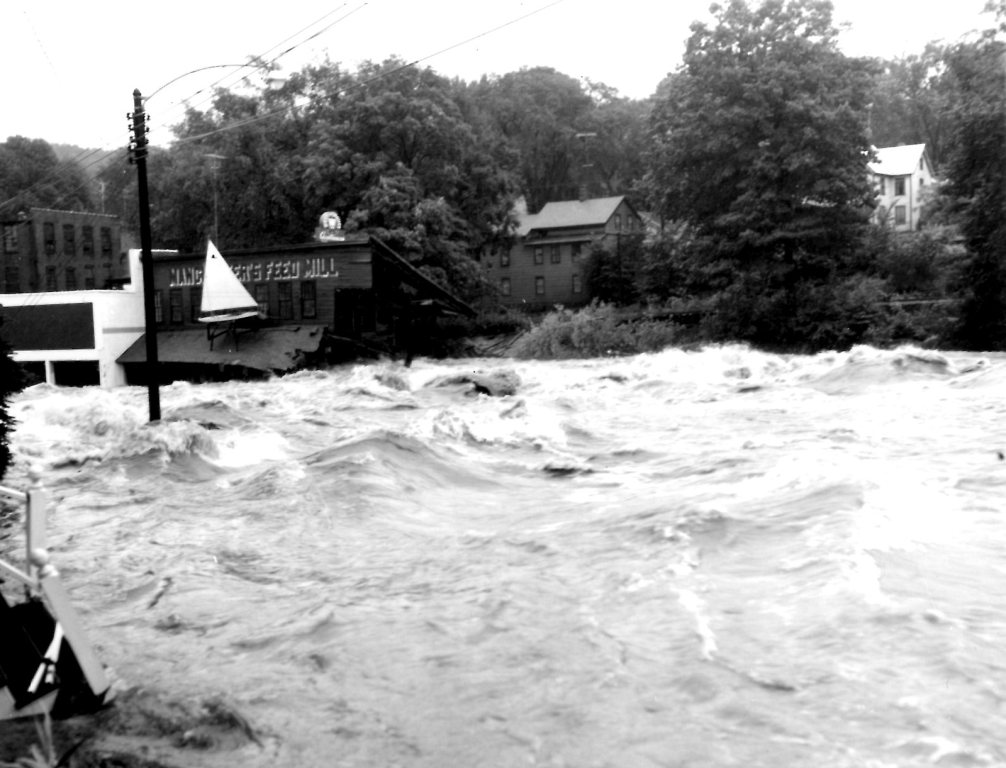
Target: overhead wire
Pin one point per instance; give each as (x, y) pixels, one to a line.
(64, 259)
(257, 62)
(382, 75)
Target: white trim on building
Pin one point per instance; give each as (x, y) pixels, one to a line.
(118, 318)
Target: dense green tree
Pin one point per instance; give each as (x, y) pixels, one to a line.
(539, 112)
(912, 103)
(32, 175)
(614, 139)
(388, 147)
(976, 170)
(760, 145)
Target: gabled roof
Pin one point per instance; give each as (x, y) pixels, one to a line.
(898, 161)
(571, 213)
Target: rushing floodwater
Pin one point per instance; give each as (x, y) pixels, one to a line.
(715, 558)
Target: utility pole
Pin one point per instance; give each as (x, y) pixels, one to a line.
(138, 149)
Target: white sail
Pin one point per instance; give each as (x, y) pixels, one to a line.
(224, 297)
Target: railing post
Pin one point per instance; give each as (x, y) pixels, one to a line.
(36, 509)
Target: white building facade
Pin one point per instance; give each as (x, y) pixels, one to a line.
(75, 337)
(903, 177)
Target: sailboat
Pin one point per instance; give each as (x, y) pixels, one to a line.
(225, 300)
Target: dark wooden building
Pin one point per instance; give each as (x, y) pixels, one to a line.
(317, 301)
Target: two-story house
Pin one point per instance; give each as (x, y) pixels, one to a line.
(545, 265)
(901, 175)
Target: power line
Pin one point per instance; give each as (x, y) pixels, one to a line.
(389, 73)
(356, 86)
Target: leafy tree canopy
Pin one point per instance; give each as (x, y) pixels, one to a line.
(32, 175)
(760, 139)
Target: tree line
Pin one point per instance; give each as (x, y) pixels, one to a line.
(749, 158)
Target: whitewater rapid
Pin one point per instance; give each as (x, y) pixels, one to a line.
(693, 558)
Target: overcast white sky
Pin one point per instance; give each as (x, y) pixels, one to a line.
(70, 66)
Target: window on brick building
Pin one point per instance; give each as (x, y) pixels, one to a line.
(49, 238)
(10, 238)
(69, 240)
(539, 286)
(87, 240)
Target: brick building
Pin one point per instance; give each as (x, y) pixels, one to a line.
(44, 250)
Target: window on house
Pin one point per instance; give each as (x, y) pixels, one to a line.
(87, 241)
(504, 260)
(900, 215)
(899, 186)
(12, 278)
(618, 222)
(539, 286)
(158, 308)
(106, 241)
(577, 284)
(70, 275)
(195, 303)
(50, 279)
(505, 286)
(89, 277)
(539, 254)
(308, 299)
(262, 297)
(49, 238)
(10, 238)
(175, 313)
(554, 254)
(574, 252)
(69, 240)
(284, 299)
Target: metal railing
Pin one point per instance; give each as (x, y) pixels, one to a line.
(42, 582)
(36, 502)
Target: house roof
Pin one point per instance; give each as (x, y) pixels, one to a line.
(570, 213)
(897, 161)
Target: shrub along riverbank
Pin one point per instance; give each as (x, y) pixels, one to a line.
(602, 330)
